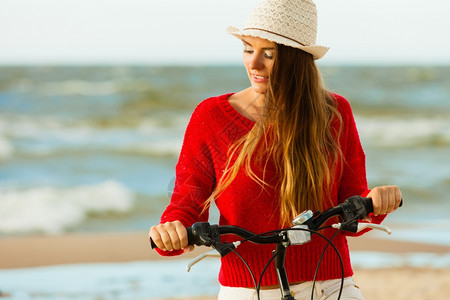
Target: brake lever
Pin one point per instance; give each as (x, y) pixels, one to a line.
(210, 253)
(362, 226)
(219, 251)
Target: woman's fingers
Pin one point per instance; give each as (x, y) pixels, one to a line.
(385, 199)
(398, 198)
(156, 237)
(182, 235)
(169, 236)
(391, 201)
(160, 237)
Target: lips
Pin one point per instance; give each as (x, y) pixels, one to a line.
(259, 78)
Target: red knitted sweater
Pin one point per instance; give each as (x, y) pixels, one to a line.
(213, 127)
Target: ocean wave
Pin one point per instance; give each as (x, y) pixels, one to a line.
(6, 149)
(79, 87)
(75, 87)
(94, 88)
(46, 135)
(54, 210)
(398, 131)
(43, 136)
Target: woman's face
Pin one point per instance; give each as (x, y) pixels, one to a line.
(259, 55)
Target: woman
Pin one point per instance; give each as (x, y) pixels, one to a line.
(267, 153)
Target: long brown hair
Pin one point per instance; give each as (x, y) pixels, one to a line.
(296, 131)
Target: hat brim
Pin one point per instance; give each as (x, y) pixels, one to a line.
(317, 51)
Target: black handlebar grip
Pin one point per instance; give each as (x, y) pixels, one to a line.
(189, 234)
(153, 244)
(367, 202)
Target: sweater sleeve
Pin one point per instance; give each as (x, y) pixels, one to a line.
(195, 177)
(353, 180)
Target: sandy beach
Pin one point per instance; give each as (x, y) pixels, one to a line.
(34, 251)
(404, 282)
(396, 283)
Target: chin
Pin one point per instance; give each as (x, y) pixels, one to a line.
(259, 89)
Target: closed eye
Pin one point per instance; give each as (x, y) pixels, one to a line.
(268, 54)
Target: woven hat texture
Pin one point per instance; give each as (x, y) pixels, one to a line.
(289, 22)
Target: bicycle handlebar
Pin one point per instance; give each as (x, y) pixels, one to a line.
(352, 209)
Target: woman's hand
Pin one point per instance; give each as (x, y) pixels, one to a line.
(385, 199)
(170, 236)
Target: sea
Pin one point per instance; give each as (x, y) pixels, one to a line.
(94, 149)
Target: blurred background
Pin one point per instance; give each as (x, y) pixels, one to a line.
(95, 97)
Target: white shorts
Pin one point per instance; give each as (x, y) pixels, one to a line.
(328, 289)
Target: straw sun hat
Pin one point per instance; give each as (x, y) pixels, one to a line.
(289, 22)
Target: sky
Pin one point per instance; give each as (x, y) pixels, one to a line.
(194, 32)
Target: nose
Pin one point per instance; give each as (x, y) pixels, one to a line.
(256, 61)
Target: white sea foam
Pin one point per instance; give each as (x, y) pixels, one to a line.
(79, 87)
(6, 148)
(82, 87)
(44, 135)
(433, 232)
(176, 122)
(394, 131)
(90, 87)
(21, 126)
(369, 259)
(52, 210)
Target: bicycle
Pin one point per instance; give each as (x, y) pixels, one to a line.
(350, 211)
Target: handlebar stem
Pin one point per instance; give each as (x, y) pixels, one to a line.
(280, 252)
